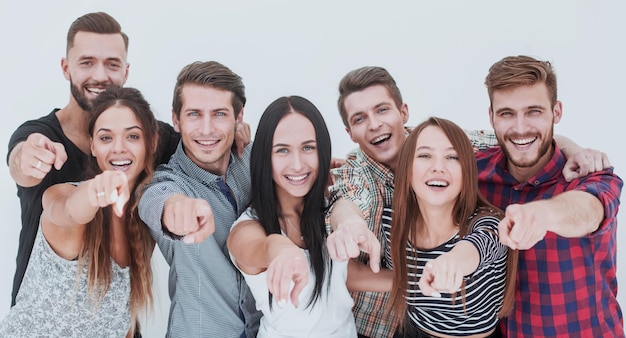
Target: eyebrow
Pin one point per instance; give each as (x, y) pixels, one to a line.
(384, 103)
(89, 57)
(430, 148)
(288, 145)
(125, 129)
(535, 106)
(225, 108)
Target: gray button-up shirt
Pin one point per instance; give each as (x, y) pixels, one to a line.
(208, 295)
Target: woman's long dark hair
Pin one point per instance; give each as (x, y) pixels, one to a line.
(264, 199)
(95, 254)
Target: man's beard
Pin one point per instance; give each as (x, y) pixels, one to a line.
(544, 148)
(80, 98)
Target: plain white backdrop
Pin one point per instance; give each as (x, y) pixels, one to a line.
(438, 51)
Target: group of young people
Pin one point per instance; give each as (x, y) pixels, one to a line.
(425, 231)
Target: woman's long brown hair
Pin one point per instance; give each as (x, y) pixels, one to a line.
(95, 253)
(407, 216)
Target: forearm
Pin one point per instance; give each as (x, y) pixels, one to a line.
(78, 207)
(343, 212)
(362, 278)
(252, 249)
(18, 175)
(254, 252)
(466, 257)
(572, 213)
(567, 146)
(66, 205)
(273, 246)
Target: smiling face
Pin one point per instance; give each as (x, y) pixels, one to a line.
(295, 161)
(376, 123)
(94, 62)
(436, 173)
(207, 126)
(118, 142)
(523, 121)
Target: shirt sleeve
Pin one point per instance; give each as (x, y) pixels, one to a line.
(350, 183)
(27, 128)
(484, 236)
(386, 228)
(248, 215)
(607, 187)
(151, 206)
(482, 139)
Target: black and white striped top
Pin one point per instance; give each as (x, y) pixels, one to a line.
(484, 289)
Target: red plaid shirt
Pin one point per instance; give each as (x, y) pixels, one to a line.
(566, 287)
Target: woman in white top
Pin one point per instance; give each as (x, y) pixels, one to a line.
(89, 273)
(279, 242)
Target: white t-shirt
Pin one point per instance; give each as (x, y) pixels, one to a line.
(330, 316)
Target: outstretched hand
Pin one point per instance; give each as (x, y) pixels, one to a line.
(38, 154)
(350, 239)
(287, 267)
(188, 217)
(521, 229)
(109, 188)
(441, 275)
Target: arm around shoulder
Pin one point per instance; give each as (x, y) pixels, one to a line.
(580, 161)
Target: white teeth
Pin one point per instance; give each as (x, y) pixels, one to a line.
(523, 141)
(436, 183)
(122, 162)
(207, 143)
(95, 90)
(297, 178)
(380, 139)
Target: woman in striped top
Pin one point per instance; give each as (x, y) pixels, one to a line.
(449, 267)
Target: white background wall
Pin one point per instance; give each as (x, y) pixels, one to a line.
(438, 51)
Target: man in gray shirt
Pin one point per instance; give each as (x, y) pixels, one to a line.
(192, 201)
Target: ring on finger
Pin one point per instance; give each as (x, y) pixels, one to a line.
(38, 165)
(100, 194)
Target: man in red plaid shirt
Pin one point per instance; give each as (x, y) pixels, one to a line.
(565, 231)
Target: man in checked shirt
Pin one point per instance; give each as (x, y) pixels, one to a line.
(374, 114)
(565, 231)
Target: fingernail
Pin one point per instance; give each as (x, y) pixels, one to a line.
(120, 207)
(188, 239)
(281, 303)
(435, 295)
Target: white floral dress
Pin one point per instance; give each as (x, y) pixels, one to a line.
(51, 303)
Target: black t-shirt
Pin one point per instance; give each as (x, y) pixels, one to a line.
(71, 171)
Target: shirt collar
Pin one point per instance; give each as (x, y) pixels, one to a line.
(551, 170)
(192, 169)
